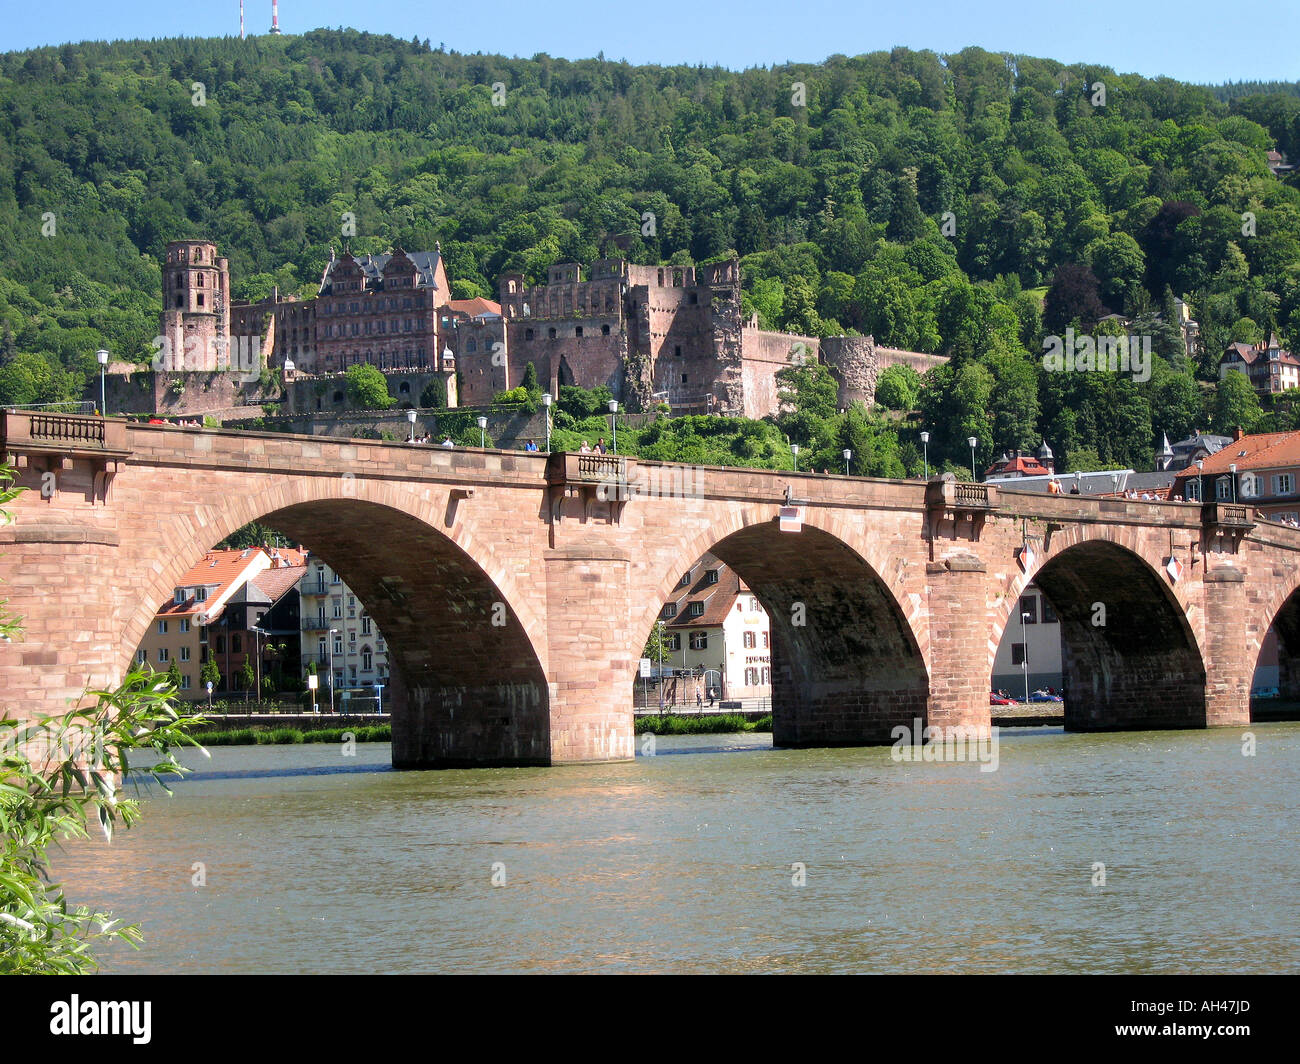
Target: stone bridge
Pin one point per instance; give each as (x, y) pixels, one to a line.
(516, 590)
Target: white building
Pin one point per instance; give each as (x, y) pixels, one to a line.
(338, 634)
(1036, 634)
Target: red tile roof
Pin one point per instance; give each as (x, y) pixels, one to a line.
(1023, 464)
(1266, 450)
(218, 570)
(476, 306)
(276, 583)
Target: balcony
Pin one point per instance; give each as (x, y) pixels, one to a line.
(313, 587)
(315, 624)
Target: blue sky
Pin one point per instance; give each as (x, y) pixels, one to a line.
(1193, 40)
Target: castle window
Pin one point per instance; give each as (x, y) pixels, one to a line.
(471, 346)
(694, 299)
(528, 334)
(404, 388)
(604, 330)
(551, 332)
(683, 378)
(180, 302)
(577, 331)
(200, 280)
(677, 350)
(338, 397)
(200, 298)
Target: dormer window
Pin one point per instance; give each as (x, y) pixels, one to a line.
(696, 609)
(711, 576)
(180, 596)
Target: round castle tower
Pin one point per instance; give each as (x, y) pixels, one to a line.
(852, 359)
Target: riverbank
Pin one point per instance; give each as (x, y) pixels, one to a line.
(279, 735)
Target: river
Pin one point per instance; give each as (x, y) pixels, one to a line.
(688, 861)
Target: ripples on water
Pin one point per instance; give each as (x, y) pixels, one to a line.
(677, 863)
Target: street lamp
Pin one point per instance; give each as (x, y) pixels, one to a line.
(613, 420)
(925, 444)
(794, 450)
(1114, 483)
(1077, 481)
(848, 454)
(972, 441)
(102, 355)
(1200, 482)
(410, 416)
(1024, 657)
(1232, 468)
(547, 399)
(257, 643)
(330, 647)
(482, 431)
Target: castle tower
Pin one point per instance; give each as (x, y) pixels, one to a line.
(852, 361)
(195, 321)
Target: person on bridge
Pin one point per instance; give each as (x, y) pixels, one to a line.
(446, 442)
(585, 449)
(600, 446)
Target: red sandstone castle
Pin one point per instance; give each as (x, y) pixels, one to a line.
(651, 334)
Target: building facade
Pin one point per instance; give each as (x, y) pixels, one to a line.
(1261, 471)
(1030, 651)
(717, 637)
(1267, 366)
(339, 638)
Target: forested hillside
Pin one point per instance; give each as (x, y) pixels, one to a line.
(927, 200)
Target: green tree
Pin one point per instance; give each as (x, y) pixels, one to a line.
(210, 674)
(1235, 405)
(247, 675)
(174, 675)
(898, 387)
(367, 389)
(530, 384)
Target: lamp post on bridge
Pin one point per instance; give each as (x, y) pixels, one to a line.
(482, 430)
(848, 454)
(972, 441)
(1232, 468)
(410, 416)
(925, 444)
(794, 450)
(102, 357)
(613, 420)
(547, 399)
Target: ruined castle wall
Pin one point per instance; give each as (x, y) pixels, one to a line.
(763, 355)
(586, 351)
(922, 363)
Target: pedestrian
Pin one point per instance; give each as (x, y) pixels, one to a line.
(600, 446)
(699, 700)
(585, 448)
(446, 442)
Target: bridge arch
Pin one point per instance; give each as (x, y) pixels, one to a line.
(468, 684)
(848, 653)
(1131, 656)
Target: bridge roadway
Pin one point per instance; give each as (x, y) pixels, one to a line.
(516, 590)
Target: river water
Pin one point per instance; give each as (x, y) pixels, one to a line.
(686, 861)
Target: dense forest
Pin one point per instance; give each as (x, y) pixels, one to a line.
(967, 204)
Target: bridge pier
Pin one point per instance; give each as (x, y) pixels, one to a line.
(1228, 663)
(959, 672)
(589, 667)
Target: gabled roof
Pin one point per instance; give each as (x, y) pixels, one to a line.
(372, 267)
(1267, 450)
(478, 307)
(276, 583)
(718, 599)
(220, 571)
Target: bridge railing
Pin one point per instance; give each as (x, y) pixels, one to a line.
(563, 467)
(33, 432)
